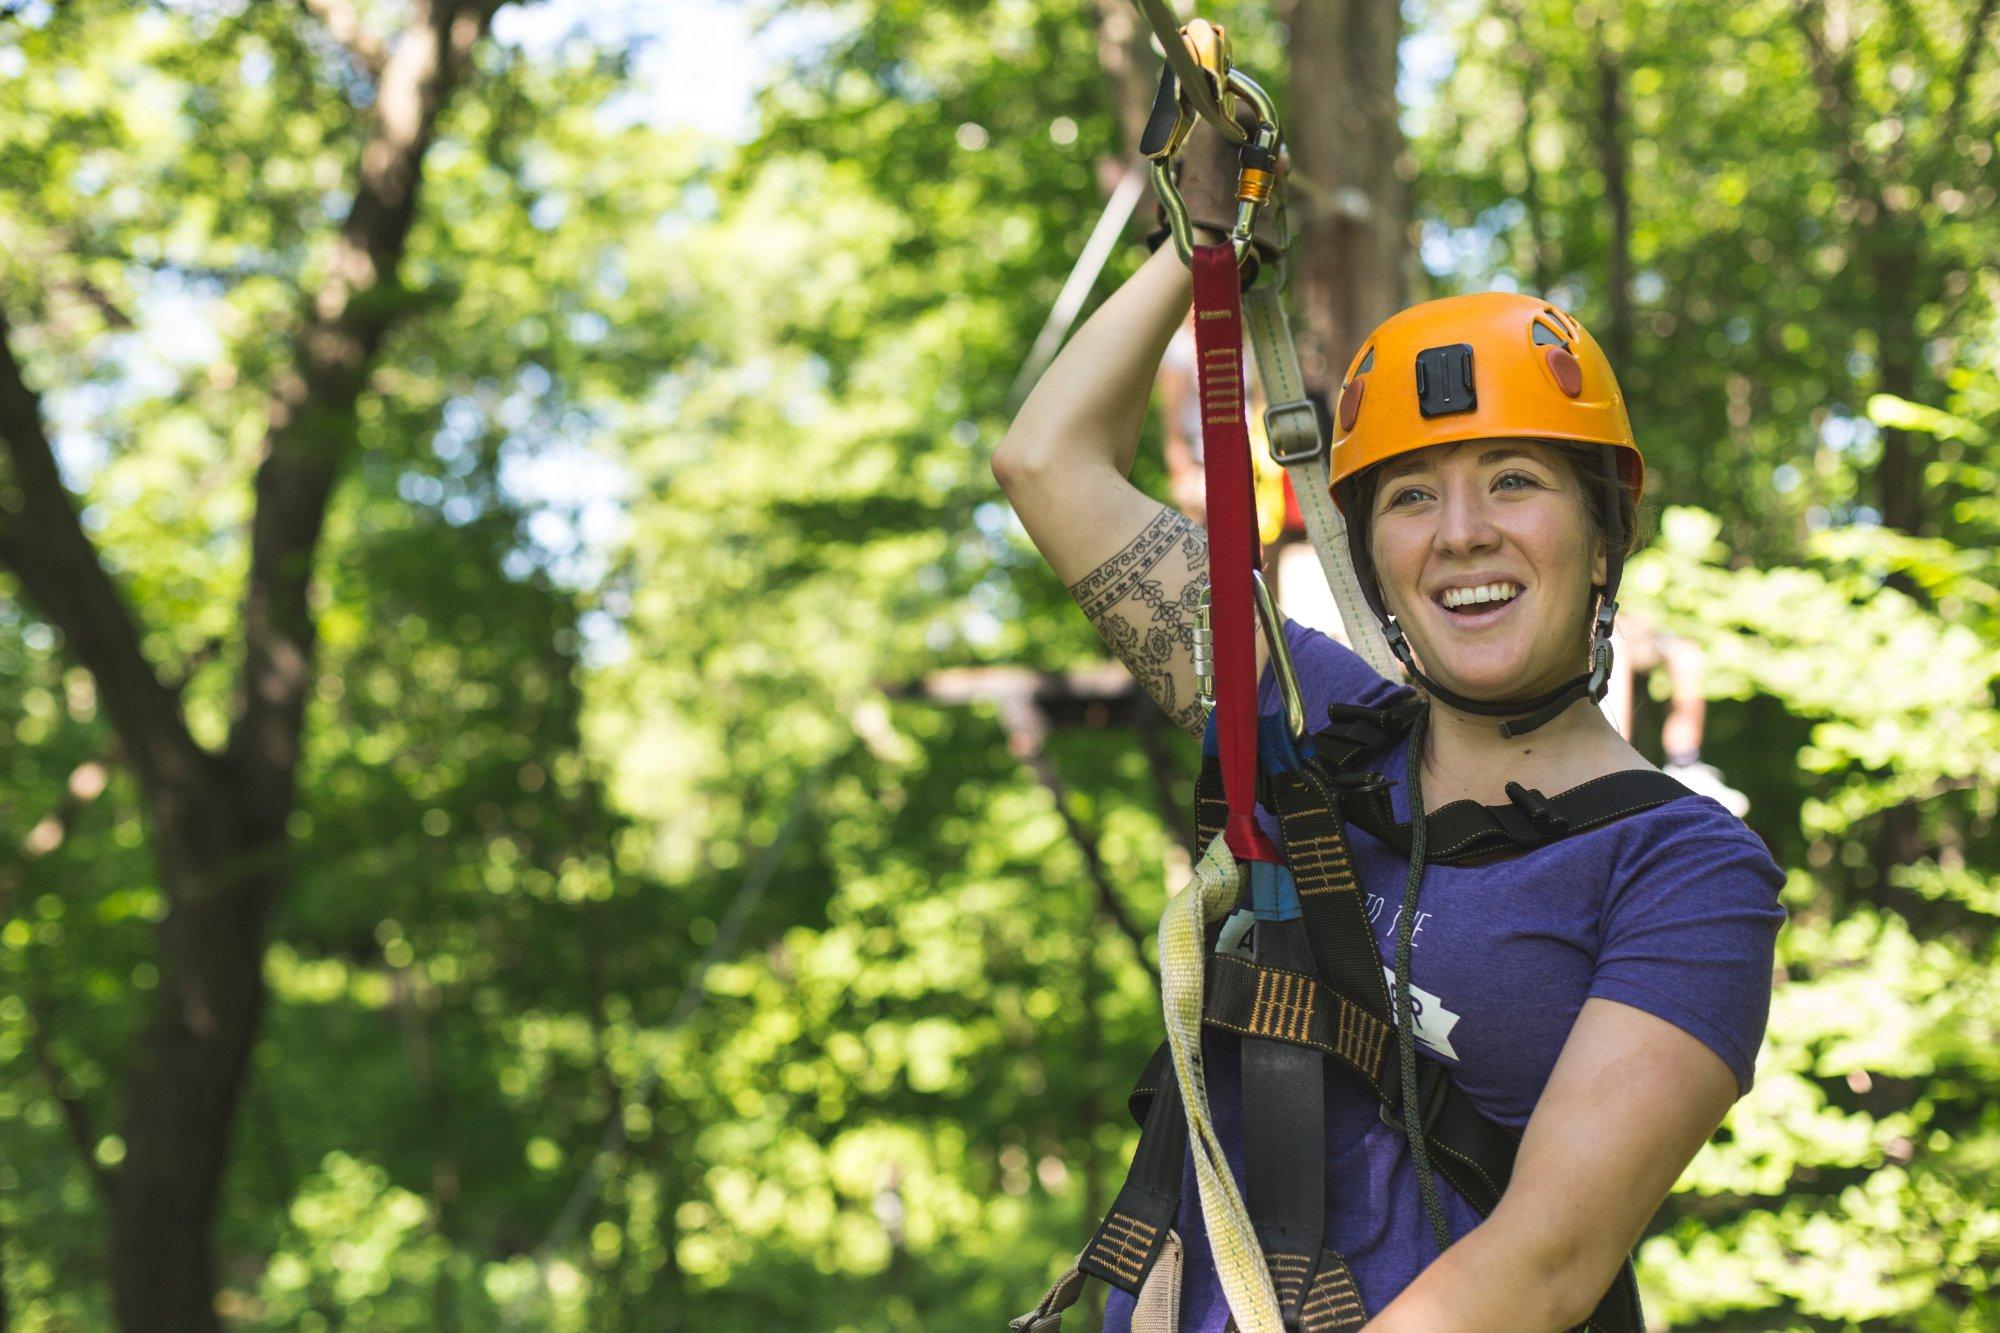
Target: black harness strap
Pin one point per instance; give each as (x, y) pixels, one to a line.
(1309, 818)
(1277, 1004)
(1133, 1234)
(1284, 1121)
(1128, 1241)
(1317, 986)
(1333, 1305)
(1464, 830)
(1211, 808)
(1474, 1153)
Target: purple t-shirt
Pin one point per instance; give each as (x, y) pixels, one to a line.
(1673, 910)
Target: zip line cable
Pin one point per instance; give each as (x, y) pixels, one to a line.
(1082, 278)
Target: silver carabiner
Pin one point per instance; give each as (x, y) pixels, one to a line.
(1281, 658)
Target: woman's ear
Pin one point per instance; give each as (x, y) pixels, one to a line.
(1599, 566)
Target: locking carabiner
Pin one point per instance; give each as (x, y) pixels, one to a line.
(1172, 120)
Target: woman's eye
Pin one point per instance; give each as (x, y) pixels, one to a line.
(1522, 477)
(1404, 494)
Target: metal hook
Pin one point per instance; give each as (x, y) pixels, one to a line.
(1281, 658)
(1204, 654)
(1274, 639)
(1254, 183)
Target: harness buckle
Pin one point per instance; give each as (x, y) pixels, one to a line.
(1433, 1083)
(1352, 781)
(1544, 816)
(1600, 646)
(1278, 418)
(1204, 652)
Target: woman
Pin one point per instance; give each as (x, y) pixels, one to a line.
(1603, 993)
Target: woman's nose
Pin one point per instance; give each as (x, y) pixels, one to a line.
(1464, 526)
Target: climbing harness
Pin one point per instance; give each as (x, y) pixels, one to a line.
(1334, 1004)
(1274, 946)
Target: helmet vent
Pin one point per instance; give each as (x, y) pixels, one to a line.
(1367, 363)
(1545, 336)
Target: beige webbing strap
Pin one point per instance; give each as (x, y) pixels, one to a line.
(1292, 424)
(1047, 1315)
(1239, 1261)
(1159, 1306)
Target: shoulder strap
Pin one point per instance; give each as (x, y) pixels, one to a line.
(1466, 830)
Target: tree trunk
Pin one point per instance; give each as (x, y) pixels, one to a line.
(1125, 49)
(1350, 202)
(673, 1297)
(5, 1320)
(183, 1089)
(1897, 276)
(1528, 64)
(218, 822)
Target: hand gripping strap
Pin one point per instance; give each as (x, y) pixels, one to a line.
(1292, 423)
(1232, 540)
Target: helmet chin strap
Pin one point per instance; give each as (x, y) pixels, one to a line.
(1530, 714)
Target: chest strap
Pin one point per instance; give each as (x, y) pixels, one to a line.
(1466, 830)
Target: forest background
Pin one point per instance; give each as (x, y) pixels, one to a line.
(544, 789)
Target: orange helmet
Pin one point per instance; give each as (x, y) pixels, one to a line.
(1486, 366)
(1493, 365)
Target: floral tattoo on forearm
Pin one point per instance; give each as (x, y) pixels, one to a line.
(1142, 602)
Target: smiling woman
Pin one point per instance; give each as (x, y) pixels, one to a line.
(1421, 526)
(1579, 993)
(1552, 429)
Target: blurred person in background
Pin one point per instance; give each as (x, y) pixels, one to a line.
(1639, 648)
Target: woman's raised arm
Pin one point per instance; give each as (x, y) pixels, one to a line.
(1135, 566)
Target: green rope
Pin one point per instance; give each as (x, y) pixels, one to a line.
(1406, 1026)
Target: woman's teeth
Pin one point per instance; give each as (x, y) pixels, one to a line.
(1453, 598)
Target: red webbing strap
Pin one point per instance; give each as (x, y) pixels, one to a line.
(1232, 540)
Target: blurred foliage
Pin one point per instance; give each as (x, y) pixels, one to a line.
(676, 476)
